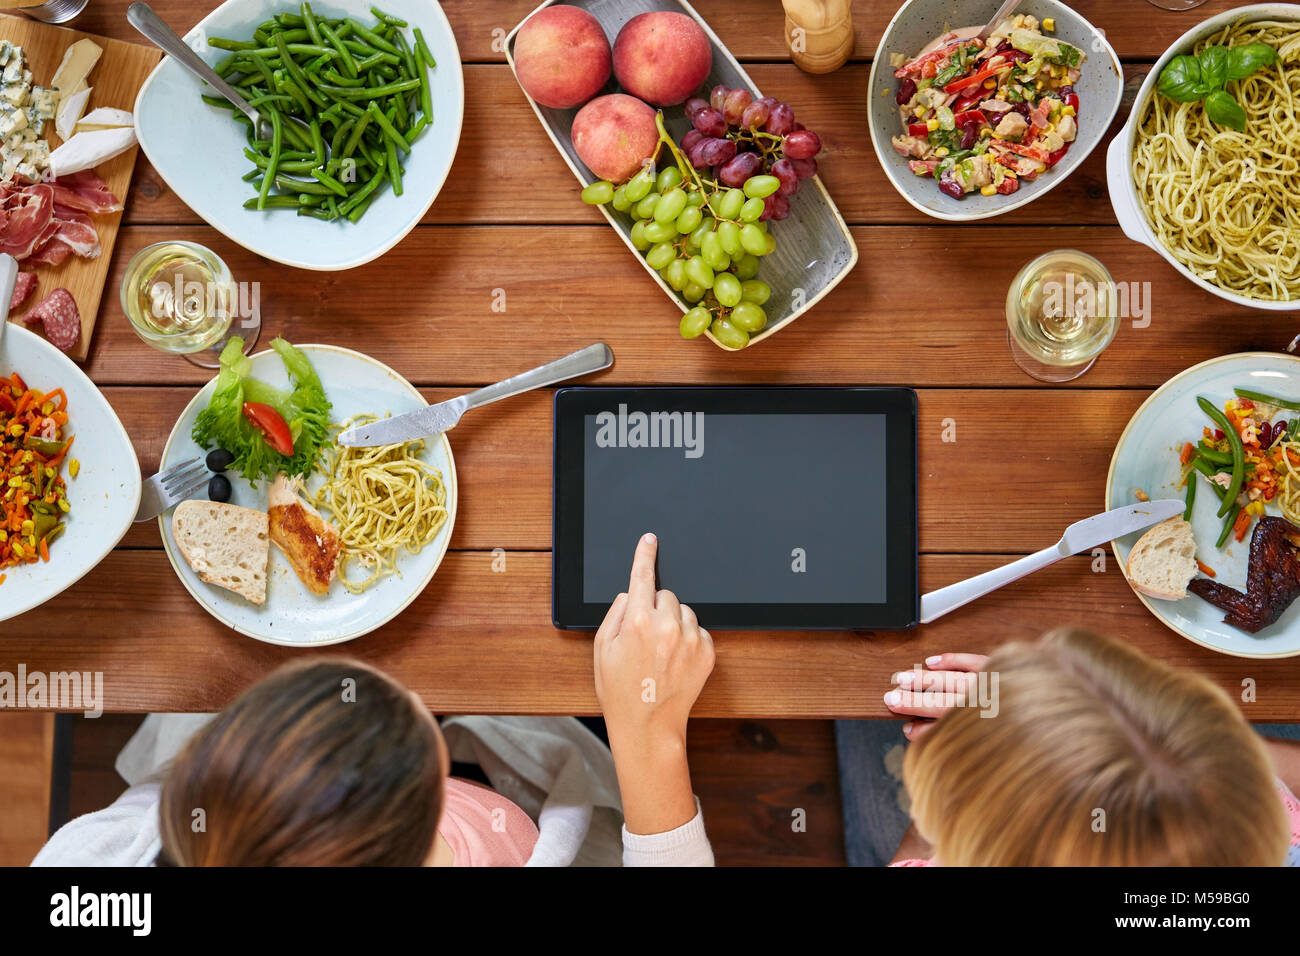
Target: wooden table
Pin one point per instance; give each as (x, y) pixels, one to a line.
(1028, 459)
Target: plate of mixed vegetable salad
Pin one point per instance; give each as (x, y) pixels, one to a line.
(1224, 436)
(69, 479)
(965, 127)
(365, 103)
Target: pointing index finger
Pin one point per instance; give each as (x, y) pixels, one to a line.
(641, 587)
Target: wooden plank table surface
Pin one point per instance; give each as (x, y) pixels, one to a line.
(1028, 458)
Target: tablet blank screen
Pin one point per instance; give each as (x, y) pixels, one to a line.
(749, 509)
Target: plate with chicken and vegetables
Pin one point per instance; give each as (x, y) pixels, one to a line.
(1225, 437)
(300, 541)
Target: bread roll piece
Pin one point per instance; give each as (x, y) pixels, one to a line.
(1163, 561)
(226, 545)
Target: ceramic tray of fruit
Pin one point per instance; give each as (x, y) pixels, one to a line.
(729, 217)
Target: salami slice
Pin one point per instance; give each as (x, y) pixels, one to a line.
(58, 311)
(24, 286)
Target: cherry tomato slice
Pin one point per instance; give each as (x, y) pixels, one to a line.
(272, 426)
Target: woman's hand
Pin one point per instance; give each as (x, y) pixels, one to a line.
(929, 694)
(651, 659)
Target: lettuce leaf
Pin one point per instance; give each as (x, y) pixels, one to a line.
(305, 409)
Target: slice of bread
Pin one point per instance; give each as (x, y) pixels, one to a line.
(1163, 561)
(226, 545)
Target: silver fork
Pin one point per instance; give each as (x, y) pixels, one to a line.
(171, 487)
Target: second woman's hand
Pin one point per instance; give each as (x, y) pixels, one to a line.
(928, 694)
(652, 659)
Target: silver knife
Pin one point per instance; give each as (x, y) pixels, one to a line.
(1080, 536)
(436, 419)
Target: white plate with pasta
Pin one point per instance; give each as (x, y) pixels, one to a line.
(292, 615)
(1216, 203)
(1147, 461)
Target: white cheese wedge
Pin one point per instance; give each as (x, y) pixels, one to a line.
(87, 150)
(78, 60)
(70, 110)
(105, 117)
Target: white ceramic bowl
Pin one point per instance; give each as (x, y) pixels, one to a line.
(917, 23)
(104, 496)
(1119, 169)
(198, 149)
(292, 615)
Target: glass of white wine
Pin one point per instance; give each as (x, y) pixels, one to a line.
(1062, 312)
(1176, 4)
(181, 298)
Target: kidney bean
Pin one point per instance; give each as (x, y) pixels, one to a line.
(906, 91)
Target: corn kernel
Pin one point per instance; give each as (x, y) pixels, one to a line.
(932, 125)
(989, 190)
(1069, 111)
(74, 466)
(18, 550)
(63, 504)
(1049, 24)
(941, 151)
(28, 526)
(991, 83)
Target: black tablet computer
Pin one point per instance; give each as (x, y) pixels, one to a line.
(775, 508)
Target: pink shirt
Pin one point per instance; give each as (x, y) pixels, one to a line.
(483, 828)
(1288, 800)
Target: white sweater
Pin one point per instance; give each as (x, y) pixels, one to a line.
(556, 770)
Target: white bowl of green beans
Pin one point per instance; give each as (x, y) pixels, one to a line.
(380, 91)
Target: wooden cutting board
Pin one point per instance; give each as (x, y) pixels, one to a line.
(115, 81)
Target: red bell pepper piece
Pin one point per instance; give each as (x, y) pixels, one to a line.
(967, 118)
(1057, 156)
(1009, 185)
(1072, 99)
(919, 130)
(956, 86)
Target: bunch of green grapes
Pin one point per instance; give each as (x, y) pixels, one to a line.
(705, 240)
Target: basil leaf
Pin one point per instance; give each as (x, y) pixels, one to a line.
(1245, 60)
(1222, 109)
(1214, 66)
(1180, 80)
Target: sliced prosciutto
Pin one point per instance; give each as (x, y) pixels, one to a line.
(25, 215)
(86, 192)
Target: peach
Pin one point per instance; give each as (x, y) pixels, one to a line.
(613, 134)
(562, 57)
(662, 57)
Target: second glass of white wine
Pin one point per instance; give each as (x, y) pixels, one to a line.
(181, 298)
(1175, 4)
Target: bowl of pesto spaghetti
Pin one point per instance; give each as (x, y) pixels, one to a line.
(1207, 170)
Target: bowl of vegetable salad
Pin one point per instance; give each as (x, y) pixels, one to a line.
(968, 129)
(365, 101)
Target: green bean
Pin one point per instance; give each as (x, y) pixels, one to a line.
(422, 48)
(359, 210)
(398, 139)
(349, 64)
(368, 63)
(272, 202)
(315, 65)
(315, 212)
(1205, 468)
(426, 93)
(289, 184)
(350, 146)
(1267, 399)
(297, 73)
(218, 101)
(276, 139)
(309, 21)
(317, 142)
(288, 19)
(387, 17)
(1213, 454)
(356, 198)
(338, 79)
(1228, 522)
(1191, 497)
(370, 92)
(1238, 452)
(369, 52)
(336, 144)
(371, 37)
(221, 43)
(394, 169)
(248, 177)
(330, 182)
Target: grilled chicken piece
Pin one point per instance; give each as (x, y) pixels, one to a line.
(309, 541)
(1272, 579)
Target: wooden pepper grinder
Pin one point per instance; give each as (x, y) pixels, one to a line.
(819, 33)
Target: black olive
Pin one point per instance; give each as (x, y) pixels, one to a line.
(219, 488)
(219, 459)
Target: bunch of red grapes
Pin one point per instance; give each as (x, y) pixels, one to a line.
(736, 137)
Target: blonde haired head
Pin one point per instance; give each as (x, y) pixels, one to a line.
(1097, 756)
